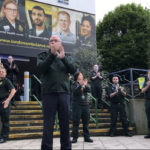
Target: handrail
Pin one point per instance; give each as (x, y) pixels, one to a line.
(105, 102)
(96, 111)
(56, 121)
(37, 79)
(37, 100)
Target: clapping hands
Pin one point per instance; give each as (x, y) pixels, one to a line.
(61, 52)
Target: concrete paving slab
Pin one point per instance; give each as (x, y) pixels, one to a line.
(101, 142)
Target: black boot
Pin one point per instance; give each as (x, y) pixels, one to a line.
(74, 140)
(88, 140)
(128, 134)
(147, 136)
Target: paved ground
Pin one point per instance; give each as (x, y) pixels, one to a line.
(102, 142)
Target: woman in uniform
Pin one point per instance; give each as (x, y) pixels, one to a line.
(9, 18)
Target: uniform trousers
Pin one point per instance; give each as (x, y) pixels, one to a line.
(115, 109)
(97, 93)
(80, 112)
(4, 114)
(147, 110)
(52, 103)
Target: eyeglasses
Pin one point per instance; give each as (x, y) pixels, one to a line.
(11, 10)
(54, 41)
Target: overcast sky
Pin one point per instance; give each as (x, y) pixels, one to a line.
(104, 6)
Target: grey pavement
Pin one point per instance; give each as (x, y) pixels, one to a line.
(101, 142)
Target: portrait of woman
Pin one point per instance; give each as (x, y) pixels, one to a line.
(10, 18)
(87, 31)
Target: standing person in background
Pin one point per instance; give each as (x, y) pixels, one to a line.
(117, 94)
(146, 91)
(12, 72)
(54, 67)
(80, 107)
(10, 18)
(7, 91)
(96, 87)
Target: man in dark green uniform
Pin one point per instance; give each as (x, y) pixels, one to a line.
(96, 87)
(55, 67)
(7, 91)
(116, 94)
(146, 90)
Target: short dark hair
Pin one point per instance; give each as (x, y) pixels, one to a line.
(115, 75)
(76, 76)
(39, 8)
(90, 19)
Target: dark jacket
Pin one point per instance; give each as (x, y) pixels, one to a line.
(80, 96)
(55, 72)
(5, 25)
(96, 81)
(90, 41)
(12, 72)
(5, 87)
(119, 98)
(46, 33)
(147, 92)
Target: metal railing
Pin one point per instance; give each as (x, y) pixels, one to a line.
(35, 97)
(96, 111)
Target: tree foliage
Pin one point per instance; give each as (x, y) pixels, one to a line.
(123, 38)
(85, 59)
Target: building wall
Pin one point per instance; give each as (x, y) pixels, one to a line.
(27, 44)
(139, 116)
(87, 6)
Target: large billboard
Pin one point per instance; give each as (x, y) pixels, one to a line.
(26, 26)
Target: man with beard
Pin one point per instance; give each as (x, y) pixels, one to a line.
(38, 17)
(117, 94)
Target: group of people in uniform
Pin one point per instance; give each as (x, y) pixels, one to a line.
(55, 67)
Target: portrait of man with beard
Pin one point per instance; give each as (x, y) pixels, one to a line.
(39, 28)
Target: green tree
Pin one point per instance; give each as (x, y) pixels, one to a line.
(123, 38)
(85, 59)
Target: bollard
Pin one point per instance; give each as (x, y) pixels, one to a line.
(26, 86)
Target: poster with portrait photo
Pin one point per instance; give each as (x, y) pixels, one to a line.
(25, 40)
(12, 22)
(86, 31)
(64, 25)
(39, 20)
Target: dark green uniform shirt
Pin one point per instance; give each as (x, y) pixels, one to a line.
(147, 93)
(80, 96)
(97, 81)
(119, 98)
(55, 72)
(5, 87)
(5, 25)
